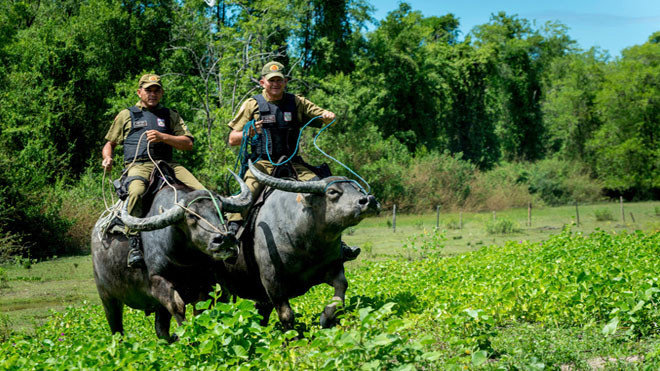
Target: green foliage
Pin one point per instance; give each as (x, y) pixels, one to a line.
(603, 215)
(559, 182)
(626, 145)
(512, 306)
(501, 226)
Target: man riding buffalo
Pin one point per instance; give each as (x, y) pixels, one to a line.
(278, 117)
(148, 131)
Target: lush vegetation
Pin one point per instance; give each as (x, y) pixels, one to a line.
(570, 300)
(508, 114)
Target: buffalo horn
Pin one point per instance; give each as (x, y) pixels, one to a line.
(317, 186)
(169, 217)
(240, 202)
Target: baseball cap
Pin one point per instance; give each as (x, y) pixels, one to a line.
(272, 69)
(148, 80)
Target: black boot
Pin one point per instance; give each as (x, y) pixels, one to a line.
(135, 258)
(349, 253)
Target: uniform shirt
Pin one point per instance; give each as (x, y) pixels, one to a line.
(121, 126)
(305, 110)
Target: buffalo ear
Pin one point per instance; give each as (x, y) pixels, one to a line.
(305, 199)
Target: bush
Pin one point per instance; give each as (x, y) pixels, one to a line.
(30, 224)
(501, 226)
(437, 179)
(603, 215)
(502, 188)
(559, 182)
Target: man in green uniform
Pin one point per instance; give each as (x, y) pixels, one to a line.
(147, 129)
(278, 117)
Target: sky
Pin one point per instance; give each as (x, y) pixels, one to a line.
(612, 25)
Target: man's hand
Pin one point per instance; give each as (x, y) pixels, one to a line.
(155, 136)
(107, 164)
(257, 126)
(328, 116)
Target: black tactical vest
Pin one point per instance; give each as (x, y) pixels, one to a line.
(142, 121)
(280, 124)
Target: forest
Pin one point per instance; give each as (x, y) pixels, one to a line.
(508, 114)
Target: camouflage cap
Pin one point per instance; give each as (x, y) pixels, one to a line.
(272, 69)
(149, 80)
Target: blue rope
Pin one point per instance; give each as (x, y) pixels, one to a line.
(339, 162)
(242, 155)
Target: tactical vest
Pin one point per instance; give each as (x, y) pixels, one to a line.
(142, 121)
(281, 126)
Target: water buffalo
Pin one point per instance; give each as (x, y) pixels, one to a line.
(181, 251)
(296, 244)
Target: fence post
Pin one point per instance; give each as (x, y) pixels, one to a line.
(529, 214)
(577, 213)
(632, 217)
(394, 218)
(460, 220)
(623, 214)
(437, 217)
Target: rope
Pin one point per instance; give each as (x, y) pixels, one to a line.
(243, 151)
(114, 210)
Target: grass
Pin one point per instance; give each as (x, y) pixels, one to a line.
(474, 234)
(29, 295)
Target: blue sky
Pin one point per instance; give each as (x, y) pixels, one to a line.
(610, 24)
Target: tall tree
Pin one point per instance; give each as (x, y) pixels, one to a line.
(627, 145)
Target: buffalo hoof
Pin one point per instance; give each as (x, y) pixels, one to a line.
(327, 321)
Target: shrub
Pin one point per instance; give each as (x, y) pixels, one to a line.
(501, 226)
(603, 215)
(453, 224)
(437, 179)
(499, 189)
(559, 182)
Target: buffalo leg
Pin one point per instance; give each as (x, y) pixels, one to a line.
(164, 292)
(285, 313)
(114, 314)
(264, 310)
(339, 282)
(162, 324)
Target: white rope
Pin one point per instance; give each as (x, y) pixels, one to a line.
(114, 211)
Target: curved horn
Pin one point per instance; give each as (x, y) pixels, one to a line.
(169, 217)
(314, 186)
(240, 202)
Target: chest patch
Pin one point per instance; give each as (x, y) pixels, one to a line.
(287, 116)
(161, 123)
(269, 119)
(140, 124)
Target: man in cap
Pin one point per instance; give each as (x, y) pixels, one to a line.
(280, 115)
(146, 129)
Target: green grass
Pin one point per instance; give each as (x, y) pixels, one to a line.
(545, 222)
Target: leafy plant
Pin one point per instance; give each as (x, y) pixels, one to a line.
(603, 215)
(501, 226)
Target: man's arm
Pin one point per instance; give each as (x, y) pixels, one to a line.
(180, 142)
(106, 152)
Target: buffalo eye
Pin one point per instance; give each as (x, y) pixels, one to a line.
(334, 193)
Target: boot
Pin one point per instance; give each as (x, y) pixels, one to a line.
(135, 257)
(349, 253)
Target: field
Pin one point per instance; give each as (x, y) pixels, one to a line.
(494, 294)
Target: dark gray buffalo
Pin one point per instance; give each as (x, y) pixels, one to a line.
(181, 251)
(296, 244)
